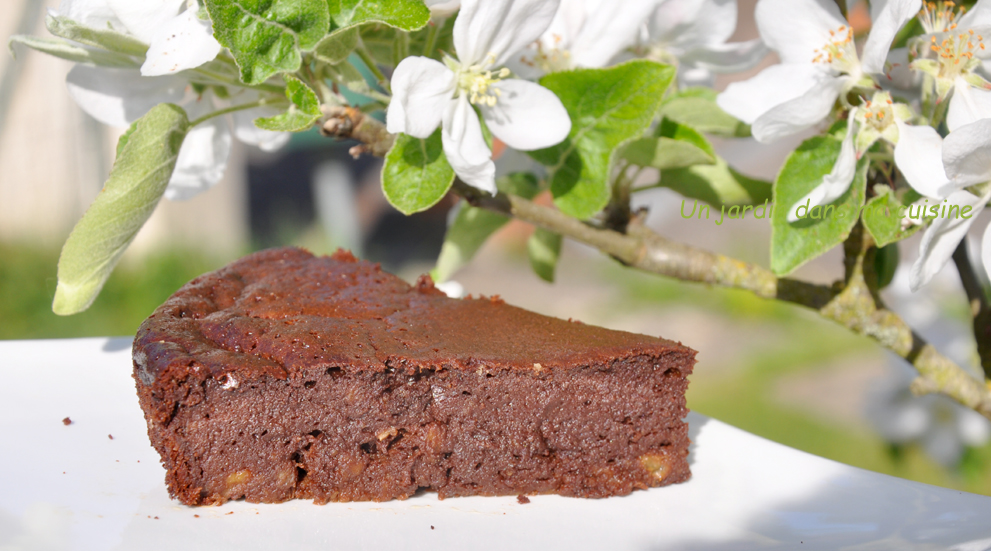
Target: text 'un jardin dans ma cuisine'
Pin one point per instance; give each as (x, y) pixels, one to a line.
(916, 211)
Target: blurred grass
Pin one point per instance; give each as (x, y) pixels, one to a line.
(27, 286)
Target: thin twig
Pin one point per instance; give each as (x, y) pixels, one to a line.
(980, 310)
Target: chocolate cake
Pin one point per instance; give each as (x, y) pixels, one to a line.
(286, 376)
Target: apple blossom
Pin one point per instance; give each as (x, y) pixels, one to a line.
(584, 33)
(819, 64)
(879, 118)
(524, 115)
(693, 33)
(966, 160)
(179, 40)
(952, 49)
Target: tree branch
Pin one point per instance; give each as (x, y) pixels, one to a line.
(979, 309)
(851, 304)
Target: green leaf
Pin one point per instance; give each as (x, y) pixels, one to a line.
(882, 221)
(416, 174)
(607, 107)
(473, 226)
(337, 46)
(137, 181)
(544, 250)
(824, 227)
(107, 39)
(885, 264)
(73, 52)
(266, 36)
(665, 153)
(716, 184)
(469, 231)
(697, 108)
(408, 15)
(304, 109)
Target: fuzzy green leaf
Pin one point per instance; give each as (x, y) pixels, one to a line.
(697, 108)
(544, 250)
(304, 109)
(266, 36)
(137, 182)
(408, 15)
(337, 46)
(794, 244)
(607, 107)
(101, 38)
(73, 52)
(882, 221)
(416, 174)
(471, 228)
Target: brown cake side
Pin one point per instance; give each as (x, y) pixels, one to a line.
(289, 376)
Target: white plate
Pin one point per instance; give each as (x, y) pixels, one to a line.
(72, 487)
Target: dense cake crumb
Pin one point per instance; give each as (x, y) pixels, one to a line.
(67, 421)
(522, 499)
(286, 375)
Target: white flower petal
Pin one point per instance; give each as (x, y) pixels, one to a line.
(490, 31)
(727, 58)
(184, 42)
(713, 23)
(421, 91)
(942, 237)
(527, 116)
(798, 114)
(967, 154)
(883, 30)
(118, 97)
(202, 159)
(967, 105)
(95, 14)
(144, 18)
(900, 75)
(608, 30)
(795, 29)
(918, 155)
(674, 18)
(689, 76)
(977, 17)
(837, 181)
(246, 131)
(751, 98)
(465, 147)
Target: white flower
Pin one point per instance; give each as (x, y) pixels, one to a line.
(877, 119)
(178, 40)
(583, 33)
(524, 115)
(952, 50)
(819, 64)
(693, 34)
(178, 37)
(966, 161)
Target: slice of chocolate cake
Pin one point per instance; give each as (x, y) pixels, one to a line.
(286, 375)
